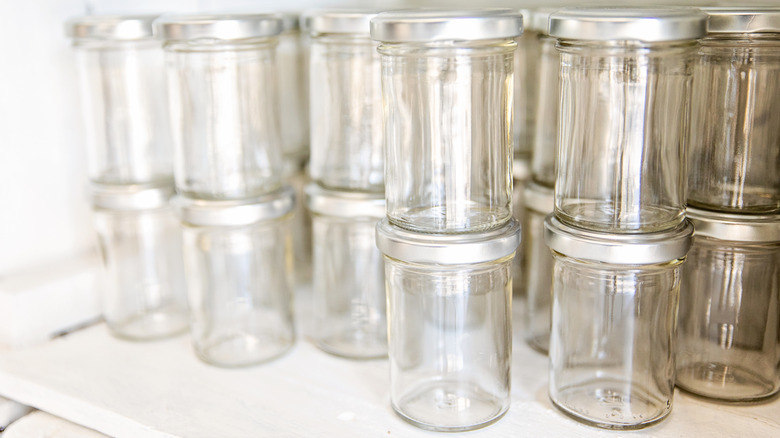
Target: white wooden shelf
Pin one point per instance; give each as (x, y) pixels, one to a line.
(159, 389)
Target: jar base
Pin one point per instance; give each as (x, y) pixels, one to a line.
(450, 406)
(354, 345)
(602, 216)
(471, 218)
(151, 326)
(725, 382)
(241, 349)
(611, 404)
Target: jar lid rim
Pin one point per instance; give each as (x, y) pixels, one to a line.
(110, 27)
(131, 197)
(338, 21)
(428, 25)
(217, 26)
(735, 227)
(735, 19)
(344, 204)
(640, 24)
(201, 212)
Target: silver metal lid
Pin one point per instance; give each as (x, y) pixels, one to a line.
(210, 213)
(110, 27)
(521, 169)
(131, 197)
(743, 19)
(344, 204)
(735, 227)
(446, 25)
(346, 21)
(447, 249)
(539, 198)
(640, 24)
(221, 27)
(622, 249)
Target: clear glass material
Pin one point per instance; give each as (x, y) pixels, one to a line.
(293, 100)
(735, 141)
(450, 347)
(611, 346)
(623, 129)
(448, 124)
(127, 126)
(144, 292)
(346, 113)
(224, 111)
(350, 317)
(538, 282)
(526, 77)
(728, 339)
(241, 290)
(546, 129)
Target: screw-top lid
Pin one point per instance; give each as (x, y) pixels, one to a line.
(640, 24)
(539, 198)
(209, 213)
(221, 27)
(621, 249)
(344, 204)
(735, 227)
(346, 21)
(110, 27)
(743, 19)
(446, 25)
(447, 249)
(130, 197)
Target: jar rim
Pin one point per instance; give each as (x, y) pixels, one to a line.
(217, 26)
(429, 25)
(338, 21)
(344, 204)
(110, 27)
(734, 19)
(638, 24)
(239, 212)
(735, 227)
(131, 197)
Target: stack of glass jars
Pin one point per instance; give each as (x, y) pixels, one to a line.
(233, 205)
(729, 331)
(129, 151)
(449, 237)
(346, 196)
(618, 233)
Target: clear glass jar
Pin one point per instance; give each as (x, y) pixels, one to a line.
(238, 265)
(448, 87)
(224, 104)
(546, 130)
(735, 142)
(346, 102)
(728, 337)
(614, 315)
(521, 173)
(625, 93)
(539, 202)
(449, 325)
(144, 296)
(293, 98)
(350, 317)
(120, 72)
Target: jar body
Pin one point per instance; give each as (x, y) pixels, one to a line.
(346, 113)
(623, 130)
(145, 296)
(611, 349)
(545, 143)
(735, 143)
(526, 76)
(448, 125)
(240, 287)
(539, 273)
(728, 340)
(350, 317)
(293, 100)
(224, 113)
(127, 129)
(450, 348)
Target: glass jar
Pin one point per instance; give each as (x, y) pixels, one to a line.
(120, 72)
(449, 325)
(293, 100)
(625, 87)
(346, 102)
(539, 202)
(144, 296)
(526, 76)
(735, 142)
(546, 129)
(728, 337)
(614, 314)
(448, 86)
(521, 173)
(350, 317)
(224, 105)
(238, 265)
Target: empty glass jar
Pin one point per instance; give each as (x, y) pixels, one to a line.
(121, 81)
(728, 338)
(614, 314)
(449, 325)
(238, 265)
(625, 93)
(350, 317)
(224, 105)
(735, 142)
(448, 86)
(539, 202)
(144, 296)
(346, 102)
(293, 100)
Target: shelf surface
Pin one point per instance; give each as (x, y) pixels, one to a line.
(159, 389)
